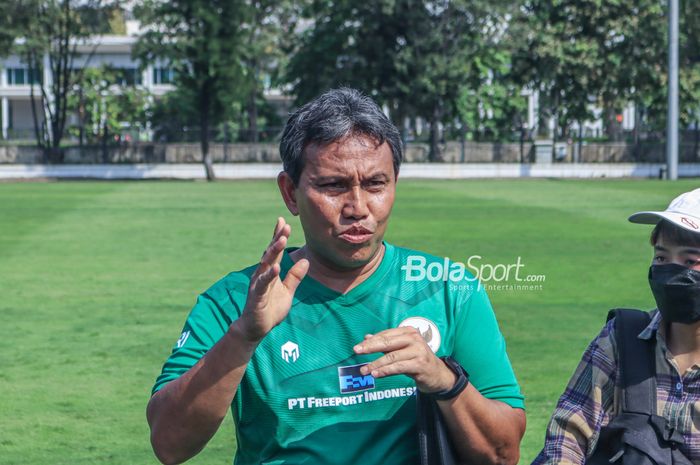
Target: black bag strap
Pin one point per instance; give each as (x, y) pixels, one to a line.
(434, 442)
(636, 361)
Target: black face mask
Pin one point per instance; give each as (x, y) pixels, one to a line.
(677, 292)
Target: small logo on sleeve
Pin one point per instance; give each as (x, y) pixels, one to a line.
(183, 338)
(351, 380)
(290, 352)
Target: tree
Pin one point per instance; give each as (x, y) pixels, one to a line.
(646, 56)
(56, 47)
(202, 40)
(268, 28)
(490, 104)
(12, 24)
(347, 43)
(416, 57)
(561, 55)
(584, 53)
(455, 62)
(105, 107)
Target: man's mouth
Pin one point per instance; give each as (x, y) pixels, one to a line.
(356, 235)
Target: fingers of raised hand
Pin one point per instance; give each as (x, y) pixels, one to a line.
(262, 281)
(405, 352)
(405, 361)
(390, 340)
(295, 274)
(273, 253)
(278, 225)
(281, 229)
(282, 232)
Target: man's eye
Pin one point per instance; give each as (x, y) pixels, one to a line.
(332, 185)
(691, 262)
(659, 259)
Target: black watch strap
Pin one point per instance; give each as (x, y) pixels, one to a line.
(460, 384)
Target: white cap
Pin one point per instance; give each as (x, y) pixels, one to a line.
(684, 211)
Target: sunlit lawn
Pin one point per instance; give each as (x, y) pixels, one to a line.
(97, 278)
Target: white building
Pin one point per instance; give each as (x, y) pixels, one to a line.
(113, 50)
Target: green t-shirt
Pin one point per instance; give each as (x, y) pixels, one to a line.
(302, 398)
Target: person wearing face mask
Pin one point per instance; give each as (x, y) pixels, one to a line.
(635, 396)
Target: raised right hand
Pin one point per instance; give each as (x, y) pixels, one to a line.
(270, 298)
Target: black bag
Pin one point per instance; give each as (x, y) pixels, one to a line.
(433, 438)
(637, 436)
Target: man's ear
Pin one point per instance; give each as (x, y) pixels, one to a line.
(287, 189)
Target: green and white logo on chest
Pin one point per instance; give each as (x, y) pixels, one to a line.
(427, 328)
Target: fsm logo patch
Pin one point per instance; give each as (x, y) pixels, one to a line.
(290, 352)
(351, 380)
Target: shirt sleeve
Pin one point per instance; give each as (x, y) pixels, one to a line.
(208, 321)
(481, 349)
(585, 406)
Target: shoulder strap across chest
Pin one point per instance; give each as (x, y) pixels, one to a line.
(636, 361)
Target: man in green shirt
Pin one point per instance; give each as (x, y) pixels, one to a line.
(319, 350)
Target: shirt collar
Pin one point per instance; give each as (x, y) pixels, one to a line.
(656, 328)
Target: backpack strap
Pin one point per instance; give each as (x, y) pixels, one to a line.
(636, 361)
(434, 443)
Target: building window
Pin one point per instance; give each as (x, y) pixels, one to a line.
(163, 75)
(128, 77)
(22, 76)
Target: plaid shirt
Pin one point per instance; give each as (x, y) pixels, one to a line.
(593, 395)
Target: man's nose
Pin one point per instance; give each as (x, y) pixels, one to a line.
(355, 203)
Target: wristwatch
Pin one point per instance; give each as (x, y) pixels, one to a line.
(460, 384)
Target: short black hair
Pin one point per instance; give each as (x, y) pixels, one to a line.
(334, 115)
(674, 235)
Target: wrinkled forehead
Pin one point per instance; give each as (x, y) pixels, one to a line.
(353, 155)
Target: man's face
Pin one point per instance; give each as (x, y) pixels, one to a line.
(667, 252)
(344, 198)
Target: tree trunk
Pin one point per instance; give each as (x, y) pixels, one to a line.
(612, 127)
(434, 154)
(399, 119)
(555, 129)
(462, 141)
(38, 131)
(105, 136)
(81, 121)
(56, 152)
(226, 138)
(204, 136)
(635, 133)
(697, 139)
(206, 156)
(253, 111)
(555, 124)
(579, 142)
(522, 142)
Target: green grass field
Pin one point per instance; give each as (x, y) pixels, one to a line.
(96, 280)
